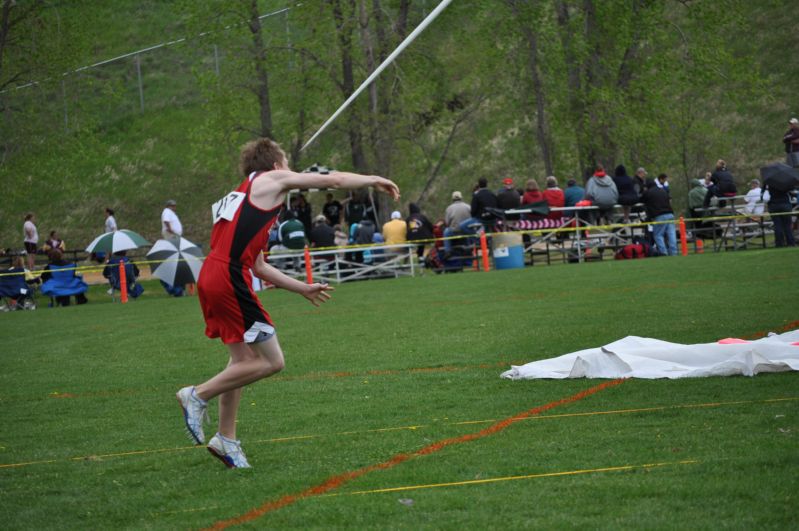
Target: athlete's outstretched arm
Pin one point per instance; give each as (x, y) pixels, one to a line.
(267, 193)
(316, 293)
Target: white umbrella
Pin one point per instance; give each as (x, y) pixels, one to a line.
(179, 262)
(118, 240)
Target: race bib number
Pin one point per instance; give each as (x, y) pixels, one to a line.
(226, 207)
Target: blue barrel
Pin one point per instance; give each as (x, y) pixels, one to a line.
(508, 251)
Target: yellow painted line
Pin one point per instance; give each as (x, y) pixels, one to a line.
(515, 478)
(409, 428)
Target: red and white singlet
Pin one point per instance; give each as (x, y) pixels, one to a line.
(231, 309)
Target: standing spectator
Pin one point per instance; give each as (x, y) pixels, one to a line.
(663, 181)
(532, 193)
(395, 230)
(508, 197)
(322, 234)
(791, 140)
(639, 181)
(53, 242)
(554, 197)
(754, 203)
(110, 220)
(171, 228)
(723, 184)
(31, 240)
(602, 192)
(419, 228)
(481, 199)
(354, 208)
(658, 209)
(779, 206)
(456, 219)
(303, 211)
(332, 210)
(626, 188)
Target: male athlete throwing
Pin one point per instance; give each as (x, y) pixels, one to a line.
(232, 311)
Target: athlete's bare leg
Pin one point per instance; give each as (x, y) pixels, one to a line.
(248, 363)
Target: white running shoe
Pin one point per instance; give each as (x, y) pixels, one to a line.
(228, 451)
(195, 411)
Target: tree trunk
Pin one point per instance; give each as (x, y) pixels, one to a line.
(344, 29)
(575, 89)
(542, 124)
(261, 88)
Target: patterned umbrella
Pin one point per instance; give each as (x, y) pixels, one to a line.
(179, 262)
(119, 240)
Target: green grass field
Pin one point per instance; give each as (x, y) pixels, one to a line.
(92, 436)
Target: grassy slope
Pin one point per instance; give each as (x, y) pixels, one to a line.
(350, 372)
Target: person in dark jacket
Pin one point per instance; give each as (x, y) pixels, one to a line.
(791, 141)
(723, 184)
(482, 198)
(779, 206)
(658, 209)
(322, 234)
(508, 197)
(627, 195)
(419, 228)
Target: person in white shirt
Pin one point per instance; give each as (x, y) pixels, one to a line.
(171, 229)
(754, 205)
(31, 238)
(110, 221)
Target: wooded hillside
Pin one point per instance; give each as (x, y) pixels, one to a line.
(495, 89)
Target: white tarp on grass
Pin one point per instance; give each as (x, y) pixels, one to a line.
(641, 357)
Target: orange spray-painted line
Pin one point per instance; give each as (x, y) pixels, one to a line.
(336, 481)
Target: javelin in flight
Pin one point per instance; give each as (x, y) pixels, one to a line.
(404, 44)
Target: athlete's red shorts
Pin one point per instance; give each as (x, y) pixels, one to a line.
(231, 309)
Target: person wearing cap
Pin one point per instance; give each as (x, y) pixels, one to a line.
(420, 229)
(171, 228)
(395, 231)
(456, 215)
(791, 141)
(322, 234)
(508, 198)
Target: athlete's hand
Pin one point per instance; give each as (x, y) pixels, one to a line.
(317, 293)
(388, 187)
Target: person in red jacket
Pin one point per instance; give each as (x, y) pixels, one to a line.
(532, 194)
(554, 197)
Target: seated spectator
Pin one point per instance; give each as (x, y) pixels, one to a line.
(111, 272)
(573, 194)
(53, 242)
(532, 194)
(626, 189)
(754, 205)
(395, 231)
(60, 280)
(723, 184)
(419, 228)
(508, 198)
(291, 237)
(457, 220)
(554, 197)
(481, 199)
(340, 237)
(322, 234)
(602, 192)
(16, 288)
